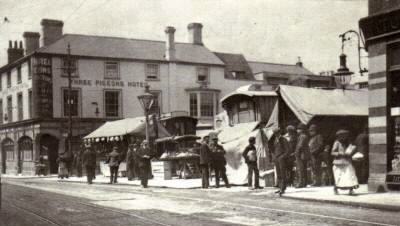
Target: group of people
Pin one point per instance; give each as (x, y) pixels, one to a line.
(302, 146)
(212, 155)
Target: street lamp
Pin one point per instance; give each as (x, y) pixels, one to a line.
(146, 100)
(343, 74)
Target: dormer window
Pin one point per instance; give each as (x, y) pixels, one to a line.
(203, 75)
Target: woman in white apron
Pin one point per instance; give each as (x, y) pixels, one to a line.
(343, 170)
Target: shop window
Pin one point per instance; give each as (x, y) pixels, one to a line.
(112, 100)
(8, 147)
(71, 103)
(193, 104)
(111, 70)
(19, 75)
(203, 74)
(9, 109)
(156, 106)
(152, 72)
(71, 65)
(20, 107)
(26, 149)
(9, 79)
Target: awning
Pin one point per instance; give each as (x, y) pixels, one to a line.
(249, 91)
(306, 103)
(237, 131)
(134, 126)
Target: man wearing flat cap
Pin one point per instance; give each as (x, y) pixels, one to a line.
(280, 153)
(218, 162)
(114, 159)
(316, 147)
(89, 162)
(250, 157)
(302, 155)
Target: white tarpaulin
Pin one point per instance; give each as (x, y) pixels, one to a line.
(234, 140)
(126, 126)
(331, 102)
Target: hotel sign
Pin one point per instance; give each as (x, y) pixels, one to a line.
(107, 83)
(43, 87)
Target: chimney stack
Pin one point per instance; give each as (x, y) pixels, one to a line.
(299, 63)
(170, 43)
(195, 36)
(15, 52)
(31, 40)
(52, 30)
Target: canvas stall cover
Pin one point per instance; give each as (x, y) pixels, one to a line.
(234, 140)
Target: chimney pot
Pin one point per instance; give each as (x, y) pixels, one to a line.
(52, 30)
(9, 44)
(13, 52)
(31, 40)
(15, 44)
(170, 43)
(195, 33)
(20, 45)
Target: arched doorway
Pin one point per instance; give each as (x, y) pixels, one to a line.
(25, 150)
(49, 150)
(8, 155)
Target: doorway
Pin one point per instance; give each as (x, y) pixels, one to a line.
(49, 150)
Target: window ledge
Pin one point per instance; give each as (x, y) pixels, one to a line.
(152, 79)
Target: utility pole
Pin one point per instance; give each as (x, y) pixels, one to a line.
(69, 71)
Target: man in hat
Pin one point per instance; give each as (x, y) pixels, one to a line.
(218, 162)
(114, 159)
(291, 137)
(302, 155)
(205, 157)
(316, 147)
(250, 157)
(89, 162)
(280, 153)
(144, 156)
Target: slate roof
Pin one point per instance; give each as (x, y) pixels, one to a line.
(124, 48)
(258, 67)
(235, 62)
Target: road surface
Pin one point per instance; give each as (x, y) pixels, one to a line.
(41, 202)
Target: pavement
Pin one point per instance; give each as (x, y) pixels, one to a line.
(362, 198)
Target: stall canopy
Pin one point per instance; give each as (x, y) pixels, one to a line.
(133, 126)
(307, 103)
(252, 90)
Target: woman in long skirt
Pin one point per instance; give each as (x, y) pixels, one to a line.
(343, 170)
(62, 166)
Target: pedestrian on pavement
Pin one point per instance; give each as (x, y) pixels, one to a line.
(63, 165)
(218, 162)
(77, 162)
(362, 165)
(205, 157)
(291, 137)
(130, 160)
(114, 159)
(280, 153)
(302, 155)
(250, 158)
(89, 162)
(144, 156)
(316, 147)
(343, 170)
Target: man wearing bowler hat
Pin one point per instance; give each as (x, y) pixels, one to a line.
(218, 162)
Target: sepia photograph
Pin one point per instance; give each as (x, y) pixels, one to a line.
(199, 113)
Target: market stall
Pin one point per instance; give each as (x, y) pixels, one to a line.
(117, 133)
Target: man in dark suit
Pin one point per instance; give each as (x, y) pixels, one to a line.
(316, 147)
(204, 162)
(114, 159)
(218, 162)
(280, 153)
(89, 162)
(144, 156)
(250, 157)
(302, 155)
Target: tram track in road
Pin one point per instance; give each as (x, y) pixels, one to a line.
(233, 204)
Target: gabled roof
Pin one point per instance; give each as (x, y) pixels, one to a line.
(235, 62)
(258, 67)
(124, 48)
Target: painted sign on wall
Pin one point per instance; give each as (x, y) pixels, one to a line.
(43, 91)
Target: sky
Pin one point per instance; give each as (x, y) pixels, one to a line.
(276, 31)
